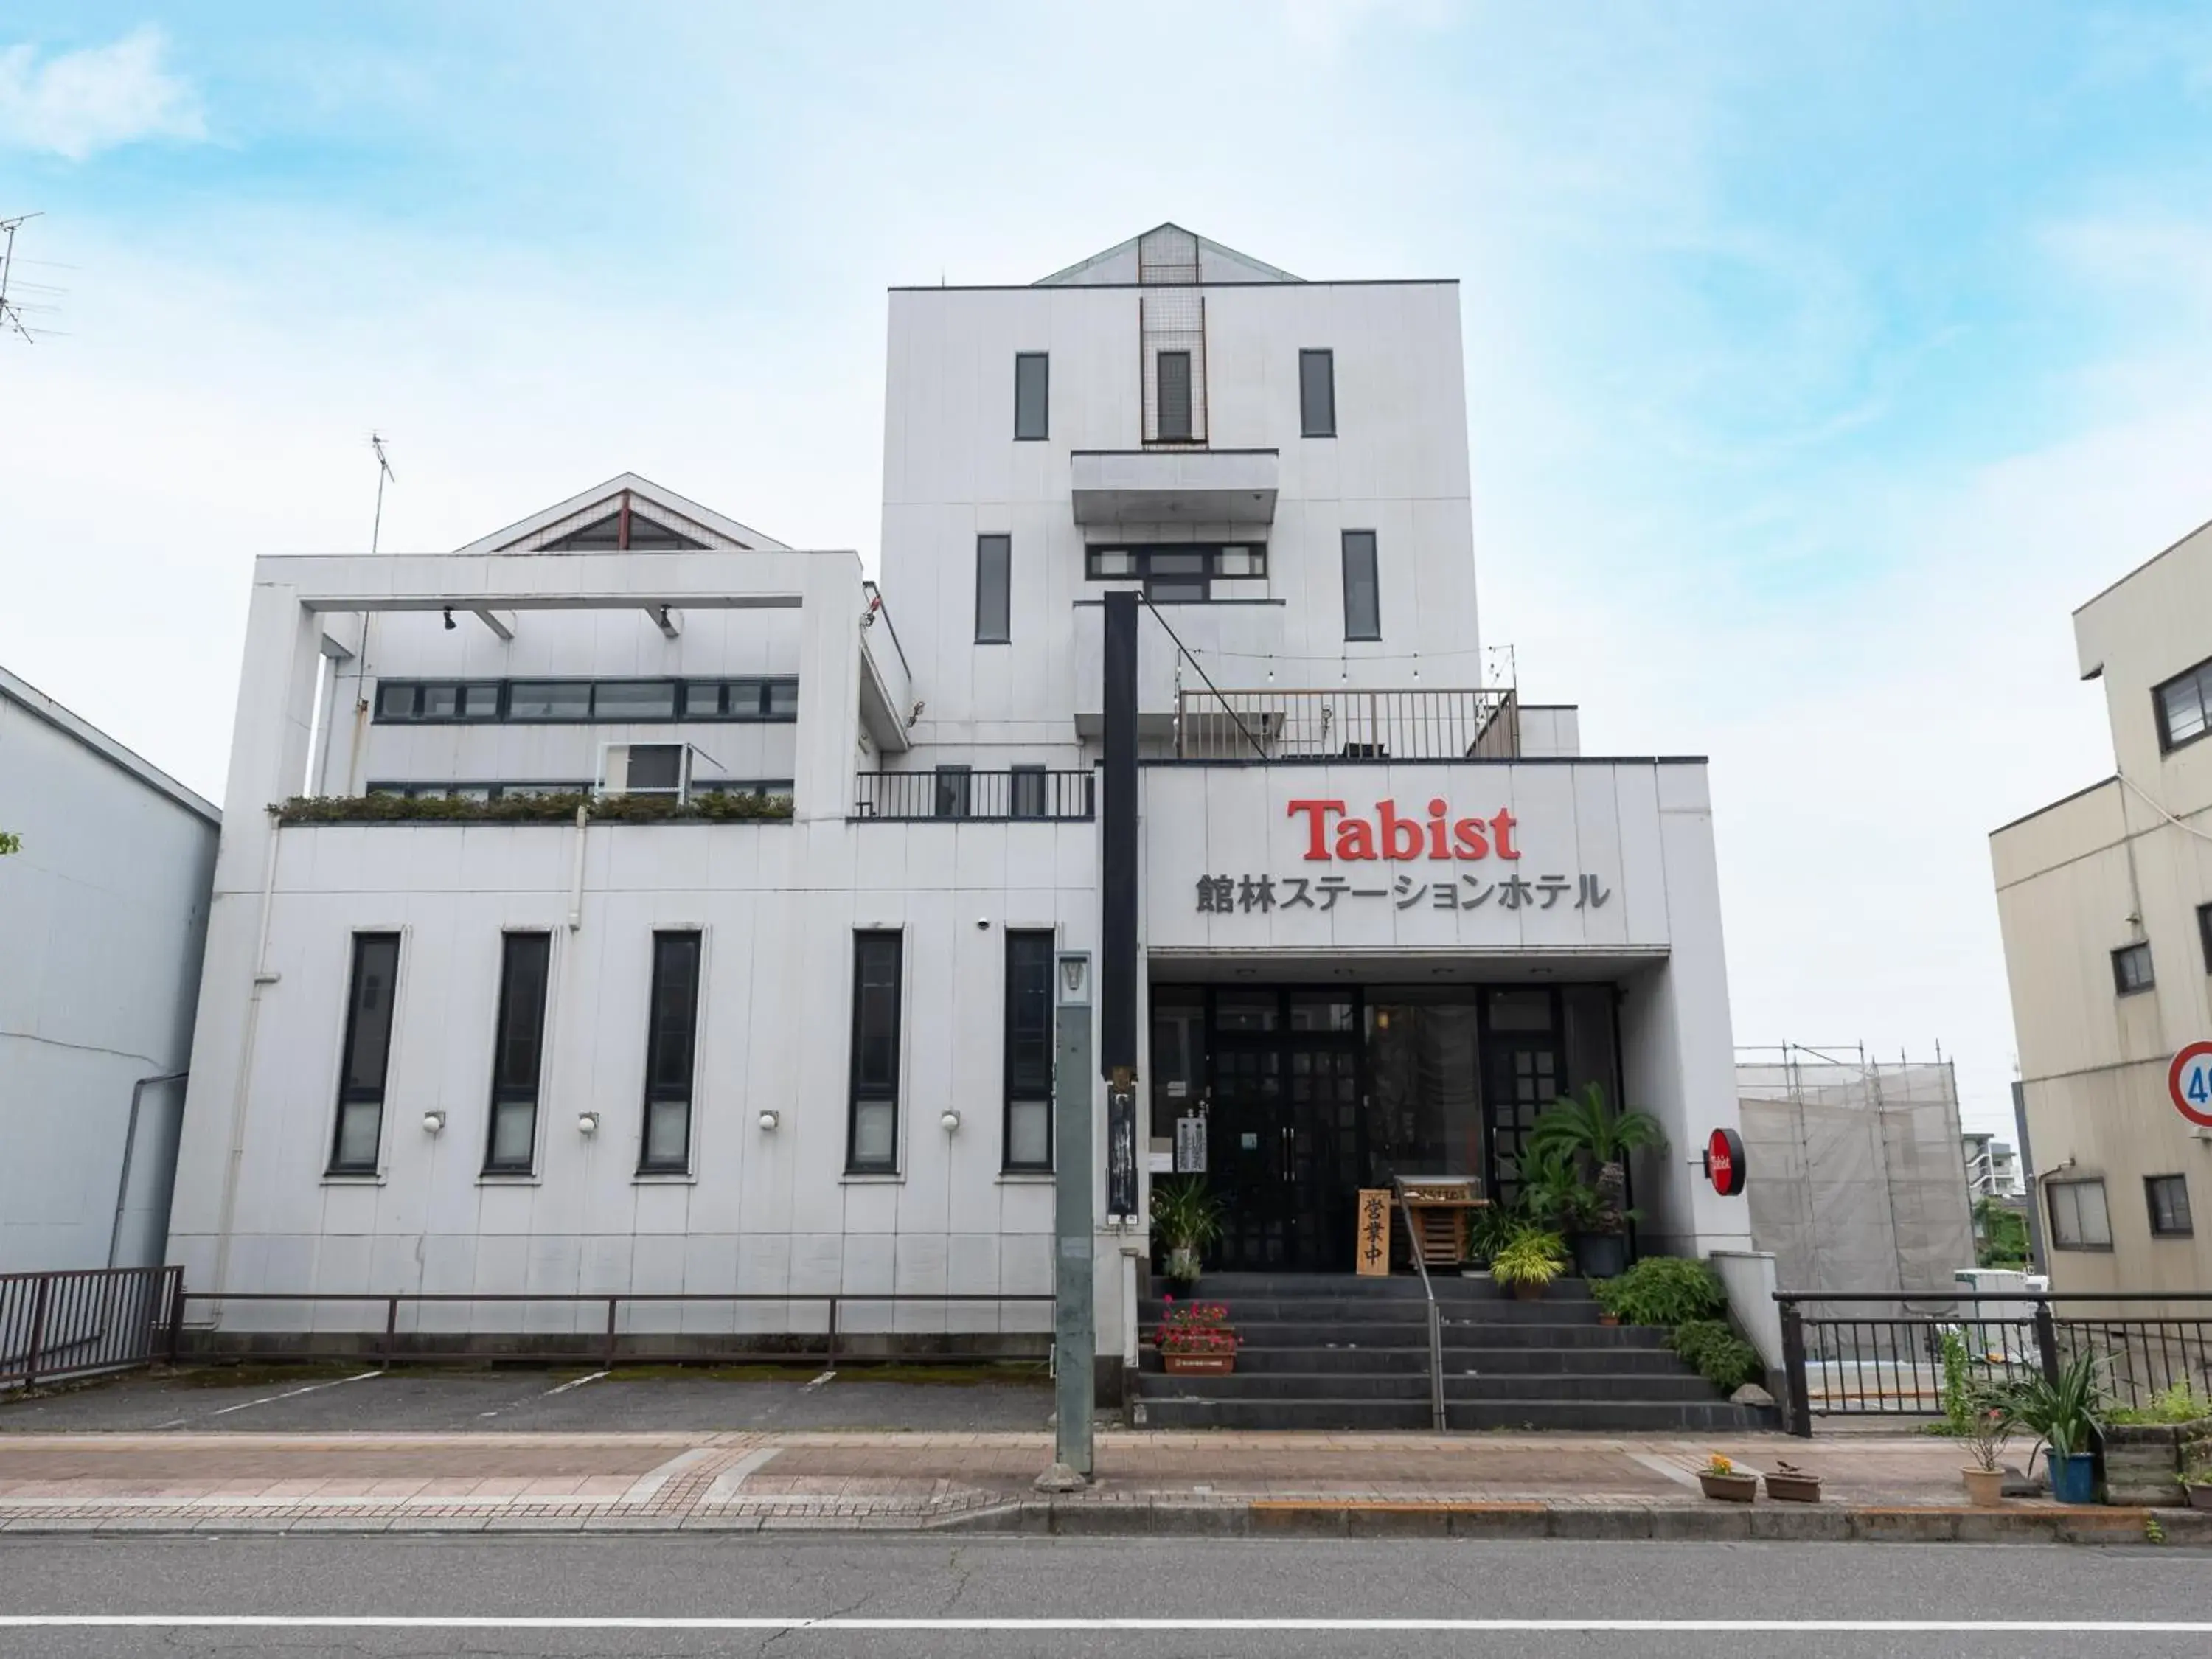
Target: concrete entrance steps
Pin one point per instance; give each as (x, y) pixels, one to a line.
(1336, 1351)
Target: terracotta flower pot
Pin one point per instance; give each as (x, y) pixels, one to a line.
(2200, 1496)
(1984, 1487)
(1794, 1488)
(1527, 1290)
(1730, 1488)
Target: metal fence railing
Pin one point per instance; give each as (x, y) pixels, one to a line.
(1346, 724)
(705, 1329)
(1882, 1353)
(955, 793)
(60, 1325)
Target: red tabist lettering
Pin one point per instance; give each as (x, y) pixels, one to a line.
(1391, 835)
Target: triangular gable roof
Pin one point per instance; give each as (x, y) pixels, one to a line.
(650, 501)
(1118, 263)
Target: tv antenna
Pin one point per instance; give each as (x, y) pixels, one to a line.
(382, 471)
(11, 311)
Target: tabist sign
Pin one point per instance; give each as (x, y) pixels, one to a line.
(2189, 1081)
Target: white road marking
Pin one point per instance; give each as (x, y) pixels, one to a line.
(820, 1380)
(724, 1489)
(289, 1393)
(563, 1388)
(646, 1486)
(1534, 1627)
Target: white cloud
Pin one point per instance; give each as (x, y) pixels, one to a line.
(79, 103)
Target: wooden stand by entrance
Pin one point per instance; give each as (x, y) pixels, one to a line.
(1438, 1208)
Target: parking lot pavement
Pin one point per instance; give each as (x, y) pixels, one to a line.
(359, 1400)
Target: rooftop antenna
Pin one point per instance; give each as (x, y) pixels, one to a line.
(382, 471)
(11, 312)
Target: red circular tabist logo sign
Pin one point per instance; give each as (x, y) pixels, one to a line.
(2189, 1081)
(1724, 1162)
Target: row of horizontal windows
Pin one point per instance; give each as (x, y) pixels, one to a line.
(762, 787)
(664, 1131)
(1033, 394)
(2081, 1218)
(608, 701)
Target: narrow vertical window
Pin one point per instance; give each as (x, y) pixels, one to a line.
(1032, 394)
(994, 559)
(672, 1031)
(1029, 1051)
(518, 1046)
(366, 1059)
(1363, 595)
(952, 792)
(1318, 394)
(1175, 396)
(1028, 787)
(871, 1136)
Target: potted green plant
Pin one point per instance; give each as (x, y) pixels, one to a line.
(1187, 1219)
(1596, 1139)
(2062, 1413)
(2195, 1483)
(1983, 1427)
(1722, 1479)
(1196, 1340)
(1529, 1260)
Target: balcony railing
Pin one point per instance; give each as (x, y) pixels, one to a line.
(952, 793)
(1347, 724)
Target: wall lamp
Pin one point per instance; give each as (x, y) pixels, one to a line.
(588, 1123)
(769, 1120)
(951, 1120)
(433, 1121)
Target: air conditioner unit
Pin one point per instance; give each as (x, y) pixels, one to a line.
(646, 768)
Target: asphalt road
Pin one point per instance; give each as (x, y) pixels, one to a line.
(358, 1399)
(888, 1595)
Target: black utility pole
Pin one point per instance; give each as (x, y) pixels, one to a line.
(1117, 931)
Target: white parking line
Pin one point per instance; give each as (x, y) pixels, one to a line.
(289, 1393)
(576, 1382)
(1528, 1626)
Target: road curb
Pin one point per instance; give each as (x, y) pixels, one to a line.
(1285, 1518)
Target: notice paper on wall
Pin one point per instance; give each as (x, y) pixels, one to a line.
(1190, 1144)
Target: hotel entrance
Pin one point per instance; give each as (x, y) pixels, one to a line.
(1289, 1099)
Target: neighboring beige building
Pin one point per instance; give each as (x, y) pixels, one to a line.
(2106, 902)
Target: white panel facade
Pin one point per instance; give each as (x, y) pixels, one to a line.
(104, 913)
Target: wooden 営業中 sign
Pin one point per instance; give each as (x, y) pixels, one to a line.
(1371, 1254)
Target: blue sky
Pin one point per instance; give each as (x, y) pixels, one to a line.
(1817, 364)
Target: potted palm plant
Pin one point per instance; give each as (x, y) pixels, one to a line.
(2062, 1413)
(1529, 1262)
(1187, 1219)
(1596, 1139)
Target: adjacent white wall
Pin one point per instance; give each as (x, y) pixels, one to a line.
(102, 914)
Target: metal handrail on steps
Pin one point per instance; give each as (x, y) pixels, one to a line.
(1436, 1314)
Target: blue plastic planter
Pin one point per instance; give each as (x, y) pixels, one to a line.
(2073, 1478)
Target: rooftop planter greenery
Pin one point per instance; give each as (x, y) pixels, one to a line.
(532, 809)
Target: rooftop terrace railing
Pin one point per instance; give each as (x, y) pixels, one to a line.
(1286, 725)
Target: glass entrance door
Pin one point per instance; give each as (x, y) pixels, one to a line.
(1286, 1128)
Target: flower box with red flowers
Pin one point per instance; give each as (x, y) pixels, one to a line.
(1194, 1340)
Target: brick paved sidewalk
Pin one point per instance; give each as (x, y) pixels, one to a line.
(1156, 1481)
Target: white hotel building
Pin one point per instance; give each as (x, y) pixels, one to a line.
(1385, 912)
